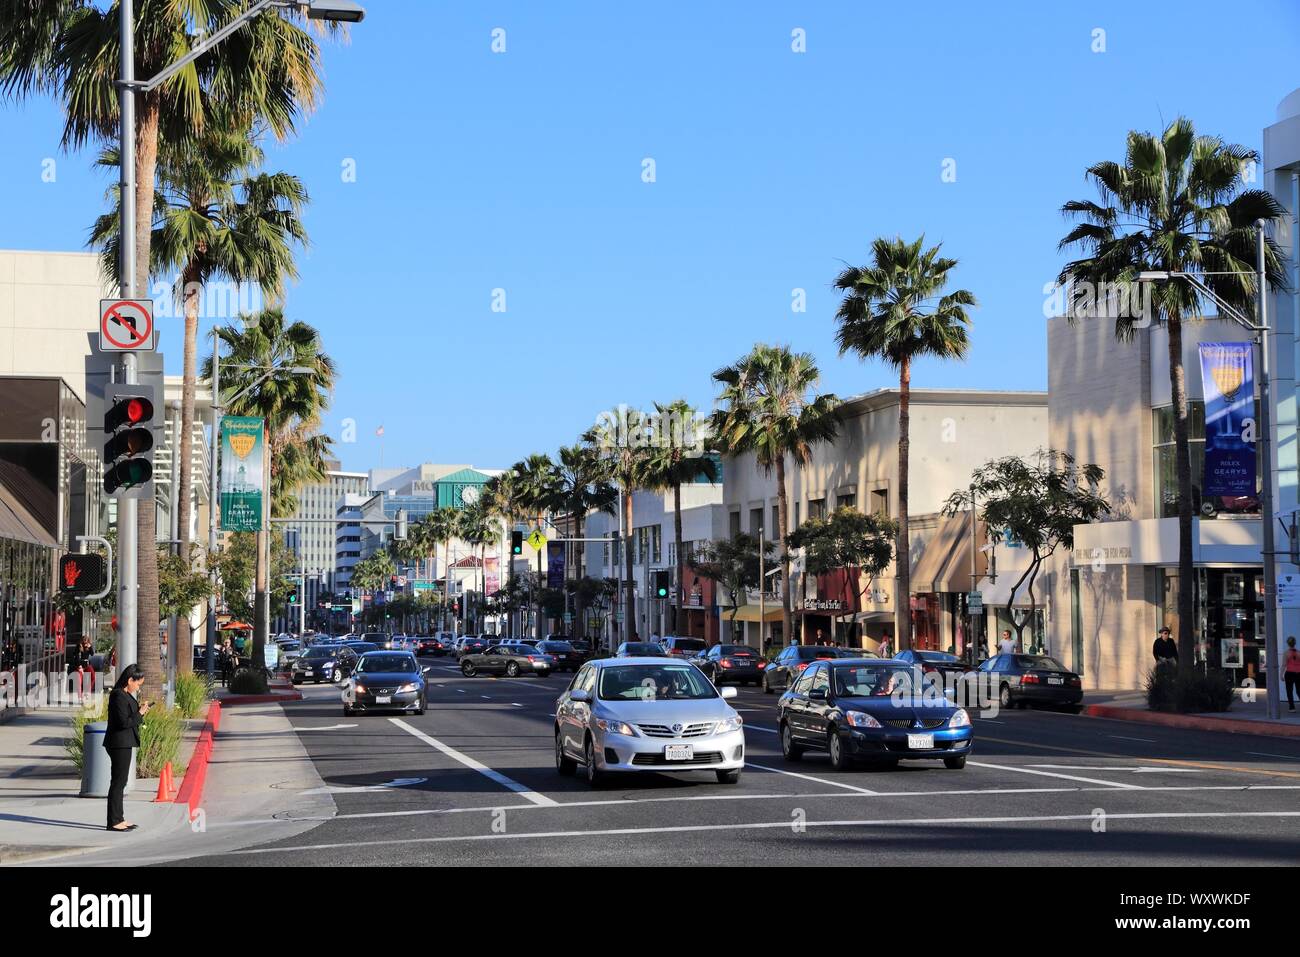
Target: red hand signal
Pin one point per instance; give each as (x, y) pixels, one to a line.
(71, 572)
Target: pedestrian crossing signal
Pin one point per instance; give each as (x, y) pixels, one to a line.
(81, 574)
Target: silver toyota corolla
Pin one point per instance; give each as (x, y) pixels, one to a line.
(646, 714)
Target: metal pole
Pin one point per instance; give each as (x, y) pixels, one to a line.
(127, 509)
(214, 497)
(174, 528)
(1274, 700)
(762, 597)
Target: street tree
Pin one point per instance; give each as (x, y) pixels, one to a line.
(734, 564)
(846, 540)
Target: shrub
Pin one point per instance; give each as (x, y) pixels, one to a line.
(248, 681)
(1192, 691)
(160, 741)
(192, 692)
(80, 719)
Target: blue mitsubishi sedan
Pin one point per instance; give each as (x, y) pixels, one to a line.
(871, 709)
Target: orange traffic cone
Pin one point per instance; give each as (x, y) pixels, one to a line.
(164, 784)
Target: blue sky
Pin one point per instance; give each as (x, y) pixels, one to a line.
(522, 171)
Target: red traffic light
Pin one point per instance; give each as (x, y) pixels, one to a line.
(131, 410)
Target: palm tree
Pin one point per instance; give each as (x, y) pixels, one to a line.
(677, 459)
(476, 527)
(582, 486)
(68, 49)
(769, 406)
(267, 345)
(504, 499)
(1175, 204)
(541, 491)
(894, 310)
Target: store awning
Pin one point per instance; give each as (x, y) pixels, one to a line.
(996, 594)
(750, 613)
(17, 524)
(945, 562)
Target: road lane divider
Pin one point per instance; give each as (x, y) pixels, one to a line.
(508, 783)
(809, 777)
(1119, 785)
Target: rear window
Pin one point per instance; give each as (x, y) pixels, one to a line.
(812, 652)
(737, 651)
(941, 656)
(1039, 663)
(560, 646)
(686, 644)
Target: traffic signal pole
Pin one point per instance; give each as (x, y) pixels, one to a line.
(127, 509)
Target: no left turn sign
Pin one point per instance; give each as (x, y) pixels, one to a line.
(126, 325)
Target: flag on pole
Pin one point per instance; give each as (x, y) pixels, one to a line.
(379, 431)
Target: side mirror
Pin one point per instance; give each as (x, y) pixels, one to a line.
(578, 695)
(426, 670)
(729, 691)
(817, 694)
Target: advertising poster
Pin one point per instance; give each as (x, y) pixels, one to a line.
(1229, 385)
(491, 575)
(555, 565)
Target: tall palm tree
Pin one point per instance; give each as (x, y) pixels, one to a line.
(769, 406)
(476, 528)
(68, 49)
(542, 495)
(677, 459)
(267, 343)
(504, 498)
(214, 216)
(895, 309)
(582, 486)
(1175, 204)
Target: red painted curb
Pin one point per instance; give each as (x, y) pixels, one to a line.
(196, 772)
(235, 699)
(1268, 729)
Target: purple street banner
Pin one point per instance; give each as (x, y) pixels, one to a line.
(555, 564)
(1229, 385)
(491, 575)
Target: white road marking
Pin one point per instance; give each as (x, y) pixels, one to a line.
(357, 789)
(1120, 737)
(1138, 770)
(330, 727)
(1268, 754)
(516, 704)
(778, 826)
(509, 783)
(1053, 774)
(809, 777)
(754, 727)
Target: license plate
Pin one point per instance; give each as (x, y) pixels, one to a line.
(679, 752)
(383, 699)
(540, 665)
(920, 742)
(1055, 681)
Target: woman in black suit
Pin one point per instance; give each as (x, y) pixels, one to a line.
(123, 735)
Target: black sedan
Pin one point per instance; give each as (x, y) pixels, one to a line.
(322, 663)
(511, 660)
(874, 710)
(948, 667)
(785, 669)
(736, 663)
(386, 681)
(1031, 679)
(566, 657)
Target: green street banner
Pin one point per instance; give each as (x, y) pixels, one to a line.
(243, 465)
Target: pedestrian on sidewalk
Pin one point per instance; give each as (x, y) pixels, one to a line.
(121, 738)
(1165, 649)
(1292, 672)
(1007, 646)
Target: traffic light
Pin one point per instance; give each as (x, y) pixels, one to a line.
(663, 579)
(128, 451)
(516, 543)
(81, 574)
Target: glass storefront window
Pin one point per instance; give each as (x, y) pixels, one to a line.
(1165, 468)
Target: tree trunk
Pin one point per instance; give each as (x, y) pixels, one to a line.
(781, 526)
(148, 614)
(903, 558)
(629, 601)
(189, 279)
(1183, 468)
(681, 574)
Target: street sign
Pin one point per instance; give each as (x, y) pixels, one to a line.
(568, 617)
(1288, 591)
(126, 325)
(975, 603)
(537, 540)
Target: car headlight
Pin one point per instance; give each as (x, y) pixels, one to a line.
(860, 719)
(729, 724)
(959, 719)
(615, 727)
(360, 689)
(408, 688)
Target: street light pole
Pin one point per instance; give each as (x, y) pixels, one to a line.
(1273, 701)
(214, 446)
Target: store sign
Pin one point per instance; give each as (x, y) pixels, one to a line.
(1229, 385)
(242, 473)
(823, 604)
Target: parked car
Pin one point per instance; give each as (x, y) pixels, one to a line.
(386, 680)
(509, 659)
(640, 649)
(738, 663)
(1032, 679)
(676, 647)
(948, 667)
(623, 715)
(470, 644)
(871, 709)
(785, 669)
(566, 659)
(322, 663)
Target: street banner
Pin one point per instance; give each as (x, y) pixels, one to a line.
(555, 565)
(1229, 386)
(243, 465)
(491, 575)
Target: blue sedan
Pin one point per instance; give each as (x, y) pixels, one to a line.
(873, 710)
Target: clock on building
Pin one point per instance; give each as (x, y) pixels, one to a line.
(468, 494)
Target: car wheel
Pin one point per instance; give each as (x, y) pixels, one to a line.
(297, 680)
(315, 681)
(1004, 696)
(512, 670)
(728, 777)
(467, 669)
(840, 759)
(956, 764)
(347, 712)
(595, 776)
(423, 704)
(789, 750)
(563, 763)
(767, 688)
(1074, 709)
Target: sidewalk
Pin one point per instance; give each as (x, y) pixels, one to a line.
(1245, 717)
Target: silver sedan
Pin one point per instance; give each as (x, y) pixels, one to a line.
(622, 715)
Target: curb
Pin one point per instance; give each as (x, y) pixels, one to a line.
(196, 772)
(235, 699)
(1267, 729)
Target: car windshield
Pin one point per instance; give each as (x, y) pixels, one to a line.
(580, 645)
(1039, 663)
(866, 681)
(683, 682)
(386, 664)
(319, 653)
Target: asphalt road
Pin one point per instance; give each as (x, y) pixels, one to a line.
(472, 781)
